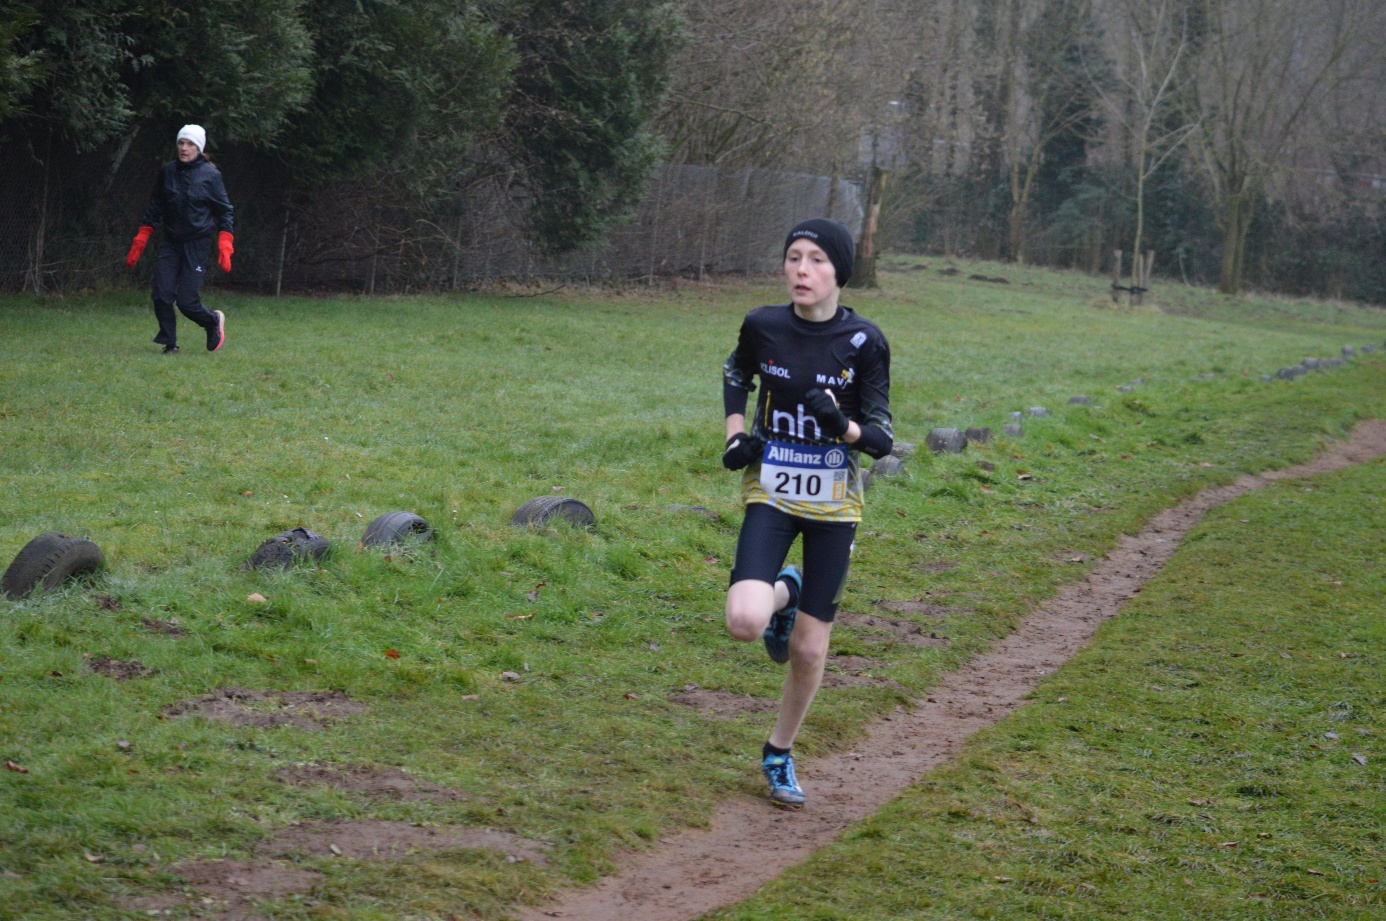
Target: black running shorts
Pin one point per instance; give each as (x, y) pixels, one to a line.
(766, 535)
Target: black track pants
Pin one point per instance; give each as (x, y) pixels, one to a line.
(178, 278)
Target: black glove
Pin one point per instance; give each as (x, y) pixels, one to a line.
(824, 409)
(742, 450)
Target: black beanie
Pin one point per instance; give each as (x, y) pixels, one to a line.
(832, 238)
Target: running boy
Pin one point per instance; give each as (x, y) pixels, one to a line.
(824, 397)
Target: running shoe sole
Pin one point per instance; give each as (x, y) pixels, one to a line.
(220, 333)
(790, 800)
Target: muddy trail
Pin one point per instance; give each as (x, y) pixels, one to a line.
(693, 872)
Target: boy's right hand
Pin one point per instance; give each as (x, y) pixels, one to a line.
(742, 450)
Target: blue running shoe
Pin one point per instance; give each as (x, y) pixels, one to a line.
(784, 789)
(782, 621)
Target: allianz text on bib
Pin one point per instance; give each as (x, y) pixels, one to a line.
(804, 473)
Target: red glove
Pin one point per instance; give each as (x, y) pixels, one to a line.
(224, 250)
(137, 247)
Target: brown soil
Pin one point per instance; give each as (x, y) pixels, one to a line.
(724, 703)
(749, 842)
(226, 889)
(372, 839)
(851, 665)
(872, 627)
(296, 709)
(120, 671)
(168, 627)
(848, 672)
(370, 780)
(832, 680)
(919, 607)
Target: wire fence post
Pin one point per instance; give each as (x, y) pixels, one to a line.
(283, 249)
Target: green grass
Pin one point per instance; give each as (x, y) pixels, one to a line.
(327, 412)
(1199, 760)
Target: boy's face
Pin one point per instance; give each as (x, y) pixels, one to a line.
(808, 273)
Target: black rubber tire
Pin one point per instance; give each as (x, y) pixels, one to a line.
(545, 509)
(886, 466)
(394, 528)
(49, 560)
(945, 441)
(284, 550)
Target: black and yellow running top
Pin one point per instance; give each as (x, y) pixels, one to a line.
(846, 354)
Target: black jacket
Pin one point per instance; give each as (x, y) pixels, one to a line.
(190, 199)
(847, 354)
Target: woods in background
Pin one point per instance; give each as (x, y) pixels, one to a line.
(1242, 140)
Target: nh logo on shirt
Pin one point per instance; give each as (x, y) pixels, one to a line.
(795, 427)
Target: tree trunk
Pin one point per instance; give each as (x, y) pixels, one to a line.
(864, 275)
(1140, 217)
(1020, 203)
(1234, 231)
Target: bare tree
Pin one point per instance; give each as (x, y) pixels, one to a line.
(1152, 39)
(1056, 38)
(785, 81)
(1039, 90)
(1262, 69)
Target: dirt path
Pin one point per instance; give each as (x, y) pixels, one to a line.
(694, 872)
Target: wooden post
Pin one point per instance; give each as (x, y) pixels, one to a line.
(1116, 278)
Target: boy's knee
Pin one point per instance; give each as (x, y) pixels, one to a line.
(808, 648)
(748, 609)
(743, 622)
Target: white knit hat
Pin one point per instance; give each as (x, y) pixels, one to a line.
(195, 134)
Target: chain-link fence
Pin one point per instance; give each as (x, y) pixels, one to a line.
(66, 221)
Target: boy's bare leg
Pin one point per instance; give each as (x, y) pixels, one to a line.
(808, 651)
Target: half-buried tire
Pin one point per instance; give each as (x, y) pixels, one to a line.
(546, 509)
(396, 528)
(887, 466)
(48, 561)
(284, 550)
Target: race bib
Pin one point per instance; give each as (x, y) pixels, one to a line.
(804, 473)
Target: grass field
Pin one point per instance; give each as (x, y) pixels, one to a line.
(328, 412)
(1216, 753)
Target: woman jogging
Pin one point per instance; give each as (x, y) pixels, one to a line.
(190, 199)
(825, 397)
